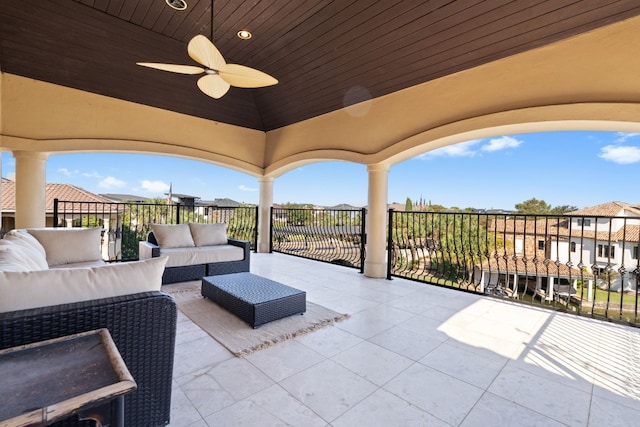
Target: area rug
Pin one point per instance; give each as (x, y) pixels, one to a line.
(236, 335)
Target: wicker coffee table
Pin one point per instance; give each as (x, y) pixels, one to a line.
(254, 299)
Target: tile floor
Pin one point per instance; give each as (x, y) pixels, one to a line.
(411, 355)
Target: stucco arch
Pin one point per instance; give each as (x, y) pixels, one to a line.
(43, 117)
(585, 82)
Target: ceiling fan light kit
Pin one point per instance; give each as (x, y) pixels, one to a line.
(219, 76)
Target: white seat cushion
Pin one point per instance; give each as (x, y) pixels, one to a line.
(202, 255)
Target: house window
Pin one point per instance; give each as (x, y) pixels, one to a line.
(606, 251)
(584, 222)
(540, 244)
(519, 246)
(572, 245)
(635, 252)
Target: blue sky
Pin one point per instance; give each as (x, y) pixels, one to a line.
(562, 168)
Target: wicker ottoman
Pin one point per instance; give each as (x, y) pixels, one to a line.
(254, 299)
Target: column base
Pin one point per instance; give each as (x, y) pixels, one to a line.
(376, 270)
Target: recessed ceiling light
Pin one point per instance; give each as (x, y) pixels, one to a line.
(244, 34)
(177, 4)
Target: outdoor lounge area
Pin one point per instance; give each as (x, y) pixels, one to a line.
(410, 354)
(370, 83)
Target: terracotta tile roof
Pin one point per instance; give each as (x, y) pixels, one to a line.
(630, 233)
(537, 268)
(52, 191)
(558, 226)
(608, 209)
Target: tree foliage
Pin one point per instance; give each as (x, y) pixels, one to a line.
(561, 210)
(408, 205)
(533, 207)
(540, 207)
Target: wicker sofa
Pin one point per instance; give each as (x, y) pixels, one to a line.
(143, 327)
(51, 286)
(195, 251)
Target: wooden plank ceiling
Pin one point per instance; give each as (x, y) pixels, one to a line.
(326, 54)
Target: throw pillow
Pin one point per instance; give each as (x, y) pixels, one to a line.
(26, 238)
(12, 258)
(209, 234)
(25, 252)
(69, 245)
(24, 290)
(173, 235)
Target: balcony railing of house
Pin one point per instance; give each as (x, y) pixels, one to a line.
(125, 224)
(330, 235)
(586, 265)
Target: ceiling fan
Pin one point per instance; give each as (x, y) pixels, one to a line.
(219, 76)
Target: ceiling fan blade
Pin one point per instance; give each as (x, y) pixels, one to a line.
(241, 76)
(174, 68)
(213, 85)
(201, 50)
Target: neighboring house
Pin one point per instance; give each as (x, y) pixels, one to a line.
(605, 238)
(125, 198)
(183, 199)
(220, 203)
(84, 206)
(523, 261)
(217, 210)
(551, 254)
(343, 207)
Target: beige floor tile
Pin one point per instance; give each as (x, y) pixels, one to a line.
(411, 354)
(441, 395)
(328, 389)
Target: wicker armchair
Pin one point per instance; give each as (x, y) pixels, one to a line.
(143, 327)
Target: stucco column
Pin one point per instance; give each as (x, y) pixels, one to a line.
(0, 182)
(30, 189)
(264, 213)
(375, 264)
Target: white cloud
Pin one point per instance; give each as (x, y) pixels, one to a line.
(461, 149)
(91, 175)
(245, 188)
(501, 143)
(623, 136)
(622, 154)
(154, 186)
(111, 182)
(67, 172)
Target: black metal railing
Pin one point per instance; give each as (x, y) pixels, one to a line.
(586, 265)
(125, 224)
(330, 235)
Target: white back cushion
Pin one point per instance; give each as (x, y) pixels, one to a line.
(26, 239)
(209, 234)
(12, 258)
(69, 245)
(173, 235)
(23, 290)
(18, 255)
